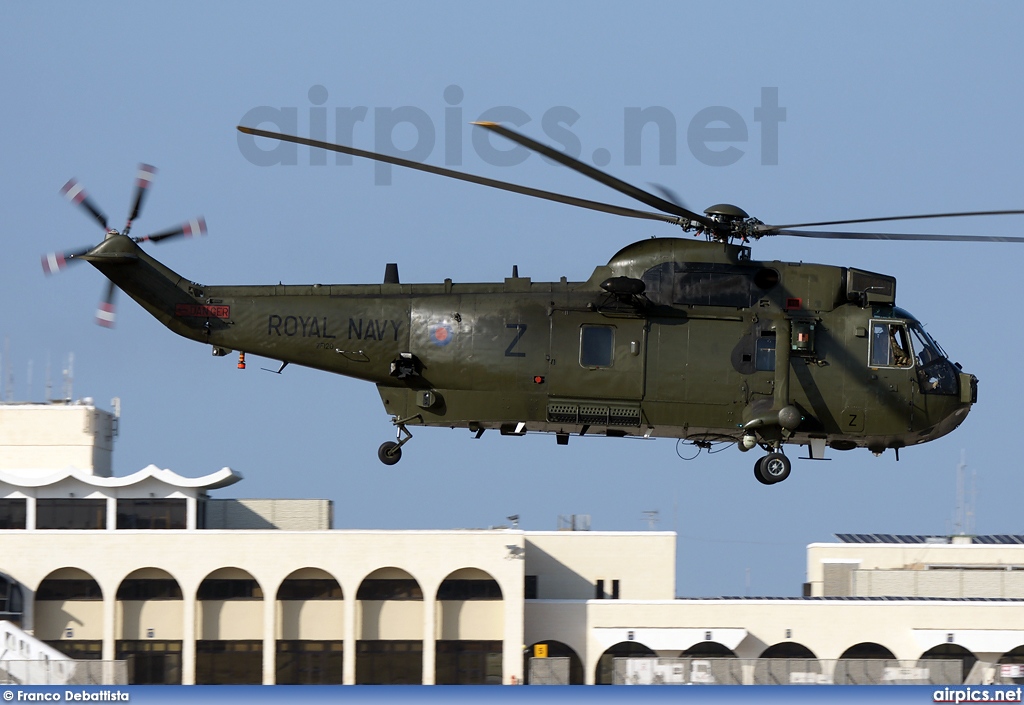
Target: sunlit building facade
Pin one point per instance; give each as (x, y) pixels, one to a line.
(153, 569)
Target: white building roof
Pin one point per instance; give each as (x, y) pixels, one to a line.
(34, 479)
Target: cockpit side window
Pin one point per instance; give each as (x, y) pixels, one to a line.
(890, 345)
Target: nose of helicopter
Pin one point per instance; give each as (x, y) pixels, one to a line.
(959, 409)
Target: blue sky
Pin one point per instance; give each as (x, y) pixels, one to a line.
(890, 109)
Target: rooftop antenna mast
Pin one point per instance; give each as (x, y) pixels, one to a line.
(49, 380)
(9, 396)
(651, 517)
(964, 524)
(69, 377)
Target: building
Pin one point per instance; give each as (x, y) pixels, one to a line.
(187, 588)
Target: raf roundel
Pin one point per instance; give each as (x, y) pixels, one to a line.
(441, 334)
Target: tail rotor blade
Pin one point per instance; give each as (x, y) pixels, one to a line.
(143, 179)
(54, 262)
(74, 192)
(193, 228)
(105, 314)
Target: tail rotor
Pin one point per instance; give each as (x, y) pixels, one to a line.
(73, 191)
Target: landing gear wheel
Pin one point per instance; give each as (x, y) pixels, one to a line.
(757, 472)
(773, 468)
(389, 452)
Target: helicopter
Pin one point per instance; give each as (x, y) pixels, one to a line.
(679, 337)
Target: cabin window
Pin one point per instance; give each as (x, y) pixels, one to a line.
(597, 346)
(764, 353)
(890, 345)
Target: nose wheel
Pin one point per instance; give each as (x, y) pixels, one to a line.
(772, 468)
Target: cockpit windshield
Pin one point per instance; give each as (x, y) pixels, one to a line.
(935, 373)
(924, 345)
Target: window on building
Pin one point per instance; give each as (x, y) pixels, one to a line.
(599, 590)
(389, 662)
(469, 590)
(530, 588)
(139, 589)
(151, 513)
(615, 589)
(465, 662)
(151, 662)
(220, 662)
(597, 346)
(79, 649)
(71, 513)
(11, 600)
(310, 589)
(13, 513)
(307, 662)
(389, 589)
(62, 590)
(229, 589)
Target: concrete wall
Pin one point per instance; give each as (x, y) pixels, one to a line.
(56, 436)
(137, 617)
(310, 619)
(284, 514)
(939, 583)
(569, 563)
(825, 562)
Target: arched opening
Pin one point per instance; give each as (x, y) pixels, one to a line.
(950, 652)
(12, 603)
(150, 625)
(69, 613)
(310, 629)
(389, 650)
(605, 672)
(468, 650)
(708, 649)
(787, 663)
(229, 615)
(863, 664)
(551, 670)
(788, 649)
(1014, 660)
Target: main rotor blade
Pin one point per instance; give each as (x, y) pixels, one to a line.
(896, 236)
(471, 178)
(105, 314)
(193, 228)
(74, 192)
(890, 218)
(668, 193)
(607, 179)
(143, 179)
(54, 262)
